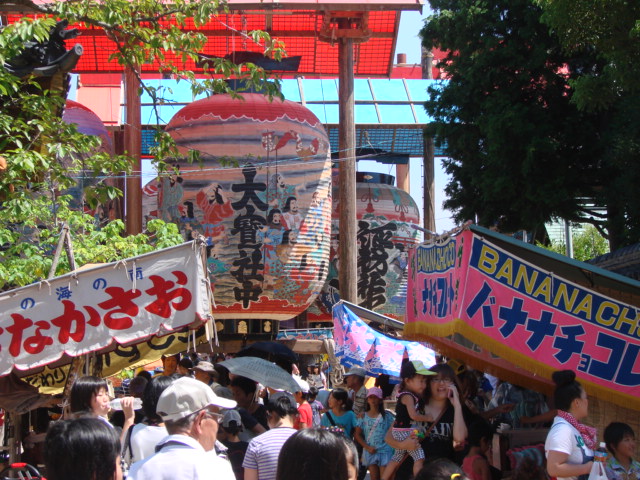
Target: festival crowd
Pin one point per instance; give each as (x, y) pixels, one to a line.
(197, 421)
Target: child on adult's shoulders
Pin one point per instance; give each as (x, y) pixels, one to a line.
(621, 442)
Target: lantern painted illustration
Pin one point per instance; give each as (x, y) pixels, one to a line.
(261, 195)
(384, 214)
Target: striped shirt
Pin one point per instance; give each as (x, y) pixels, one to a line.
(263, 452)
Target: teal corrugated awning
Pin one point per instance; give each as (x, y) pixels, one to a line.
(390, 115)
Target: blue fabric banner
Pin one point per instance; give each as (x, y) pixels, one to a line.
(357, 344)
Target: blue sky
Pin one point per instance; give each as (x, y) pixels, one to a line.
(409, 43)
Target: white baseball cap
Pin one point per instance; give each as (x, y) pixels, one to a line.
(303, 385)
(186, 396)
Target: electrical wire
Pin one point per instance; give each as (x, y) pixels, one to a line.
(294, 161)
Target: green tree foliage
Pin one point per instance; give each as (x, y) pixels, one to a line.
(27, 255)
(609, 28)
(587, 244)
(521, 151)
(41, 156)
(610, 31)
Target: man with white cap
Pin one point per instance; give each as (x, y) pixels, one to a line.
(189, 409)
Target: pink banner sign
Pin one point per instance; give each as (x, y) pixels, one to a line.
(125, 302)
(533, 318)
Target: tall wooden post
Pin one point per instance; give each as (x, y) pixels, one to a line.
(402, 177)
(15, 436)
(133, 147)
(429, 205)
(429, 186)
(427, 64)
(348, 231)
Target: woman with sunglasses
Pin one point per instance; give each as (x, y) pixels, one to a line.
(442, 402)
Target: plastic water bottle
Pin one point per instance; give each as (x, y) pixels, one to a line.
(116, 405)
(599, 461)
(600, 455)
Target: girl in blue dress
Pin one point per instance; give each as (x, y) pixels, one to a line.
(371, 431)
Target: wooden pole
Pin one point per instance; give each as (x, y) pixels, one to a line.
(429, 186)
(133, 143)
(64, 232)
(15, 436)
(429, 158)
(64, 241)
(402, 177)
(75, 371)
(69, 249)
(427, 64)
(348, 252)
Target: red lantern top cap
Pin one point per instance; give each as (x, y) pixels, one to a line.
(72, 104)
(87, 122)
(252, 106)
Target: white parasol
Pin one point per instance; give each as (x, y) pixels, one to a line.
(262, 371)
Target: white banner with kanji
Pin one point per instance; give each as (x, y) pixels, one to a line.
(125, 301)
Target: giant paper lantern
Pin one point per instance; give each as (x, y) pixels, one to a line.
(261, 195)
(385, 214)
(87, 123)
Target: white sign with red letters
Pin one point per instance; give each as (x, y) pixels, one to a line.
(125, 301)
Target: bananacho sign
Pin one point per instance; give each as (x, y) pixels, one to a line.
(533, 318)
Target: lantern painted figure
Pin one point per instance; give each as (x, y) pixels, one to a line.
(261, 195)
(384, 214)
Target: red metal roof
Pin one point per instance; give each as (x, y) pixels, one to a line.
(333, 4)
(8, 5)
(297, 23)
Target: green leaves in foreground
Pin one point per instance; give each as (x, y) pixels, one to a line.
(26, 252)
(50, 165)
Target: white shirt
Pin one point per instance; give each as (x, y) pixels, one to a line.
(181, 458)
(564, 438)
(144, 439)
